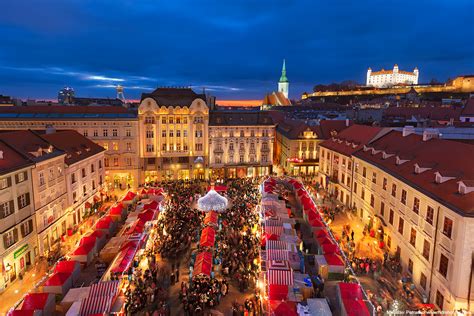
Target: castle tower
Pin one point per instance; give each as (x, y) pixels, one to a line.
(369, 73)
(283, 84)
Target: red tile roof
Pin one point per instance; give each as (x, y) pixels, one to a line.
(12, 160)
(446, 157)
(468, 108)
(63, 109)
(276, 99)
(26, 142)
(353, 138)
(434, 113)
(76, 146)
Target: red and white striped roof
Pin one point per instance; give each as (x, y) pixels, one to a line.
(274, 230)
(277, 254)
(281, 277)
(276, 244)
(108, 288)
(95, 305)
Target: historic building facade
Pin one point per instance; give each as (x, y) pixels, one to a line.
(114, 128)
(173, 134)
(388, 78)
(240, 144)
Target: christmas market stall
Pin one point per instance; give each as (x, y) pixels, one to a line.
(69, 266)
(43, 302)
(58, 283)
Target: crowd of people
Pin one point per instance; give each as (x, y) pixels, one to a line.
(202, 294)
(239, 246)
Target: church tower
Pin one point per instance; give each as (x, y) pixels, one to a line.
(283, 84)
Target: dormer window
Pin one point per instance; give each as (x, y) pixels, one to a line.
(419, 169)
(374, 151)
(366, 148)
(401, 160)
(386, 155)
(465, 186)
(441, 178)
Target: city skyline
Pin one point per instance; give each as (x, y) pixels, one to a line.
(235, 52)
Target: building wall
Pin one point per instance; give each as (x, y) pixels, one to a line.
(118, 136)
(294, 153)
(18, 243)
(171, 139)
(336, 174)
(388, 211)
(248, 148)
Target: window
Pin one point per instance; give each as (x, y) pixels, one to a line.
(231, 134)
(7, 209)
(394, 190)
(96, 133)
(439, 299)
(150, 134)
(116, 162)
(149, 120)
(163, 120)
(355, 187)
(389, 242)
(106, 146)
(10, 238)
(150, 148)
(364, 172)
(401, 222)
(382, 208)
(178, 120)
(413, 237)
(185, 147)
(5, 183)
(404, 197)
(23, 200)
(178, 133)
(241, 158)
(73, 178)
(185, 120)
(416, 205)
(85, 133)
(128, 133)
(198, 133)
(100, 164)
(423, 281)
(185, 133)
(114, 132)
(106, 162)
(26, 228)
(410, 266)
(426, 250)
(128, 161)
(362, 194)
(252, 133)
(171, 120)
(41, 179)
(92, 168)
(448, 227)
(93, 184)
(171, 133)
(429, 214)
(443, 265)
(374, 177)
(105, 133)
(241, 133)
(384, 184)
(84, 190)
(372, 200)
(163, 133)
(264, 158)
(19, 178)
(349, 165)
(115, 146)
(231, 146)
(83, 172)
(198, 147)
(129, 146)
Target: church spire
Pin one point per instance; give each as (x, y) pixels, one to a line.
(283, 77)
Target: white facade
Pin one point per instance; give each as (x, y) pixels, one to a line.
(388, 78)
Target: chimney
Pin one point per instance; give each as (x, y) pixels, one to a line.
(430, 133)
(407, 130)
(347, 122)
(1, 154)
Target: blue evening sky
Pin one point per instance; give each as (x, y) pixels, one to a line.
(233, 48)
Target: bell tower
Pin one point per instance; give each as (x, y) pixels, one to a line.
(283, 84)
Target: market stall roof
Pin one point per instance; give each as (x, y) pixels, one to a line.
(143, 192)
(130, 196)
(273, 222)
(83, 250)
(148, 215)
(137, 227)
(276, 244)
(350, 290)
(333, 259)
(104, 223)
(67, 266)
(313, 215)
(331, 249)
(218, 188)
(24, 312)
(123, 260)
(35, 301)
(274, 230)
(116, 210)
(212, 201)
(88, 240)
(208, 237)
(277, 254)
(153, 205)
(211, 218)
(97, 234)
(320, 233)
(95, 305)
(155, 191)
(107, 288)
(280, 308)
(282, 277)
(278, 265)
(203, 264)
(58, 279)
(324, 241)
(277, 292)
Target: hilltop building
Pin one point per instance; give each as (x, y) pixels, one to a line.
(387, 78)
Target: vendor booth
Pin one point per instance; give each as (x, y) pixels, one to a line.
(118, 212)
(83, 254)
(314, 307)
(203, 264)
(208, 237)
(129, 198)
(69, 266)
(106, 224)
(58, 283)
(211, 219)
(351, 300)
(19, 312)
(281, 308)
(43, 302)
(100, 237)
(74, 295)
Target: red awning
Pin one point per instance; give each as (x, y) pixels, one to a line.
(320, 233)
(58, 278)
(331, 249)
(116, 210)
(34, 301)
(148, 215)
(137, 227)
(124, 260)
(107, 288)
(297, 185)
(208, 237)
(22, 312)
(317, 223)
(68, 266)
(218, 188)
(277, 292)
(104, 223)
(324, 241)
(350, 290)
(312, 215)
(88, 240)
(97, 234)
(151, 206)
(211, 218)
(97, 305)
(352, 299)
(279, 308)
(83, 250)
(203, 264)
(130, 196)
(155, 191)
(333, 259)
(143, 192)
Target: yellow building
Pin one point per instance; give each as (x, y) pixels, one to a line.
(173, 134)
